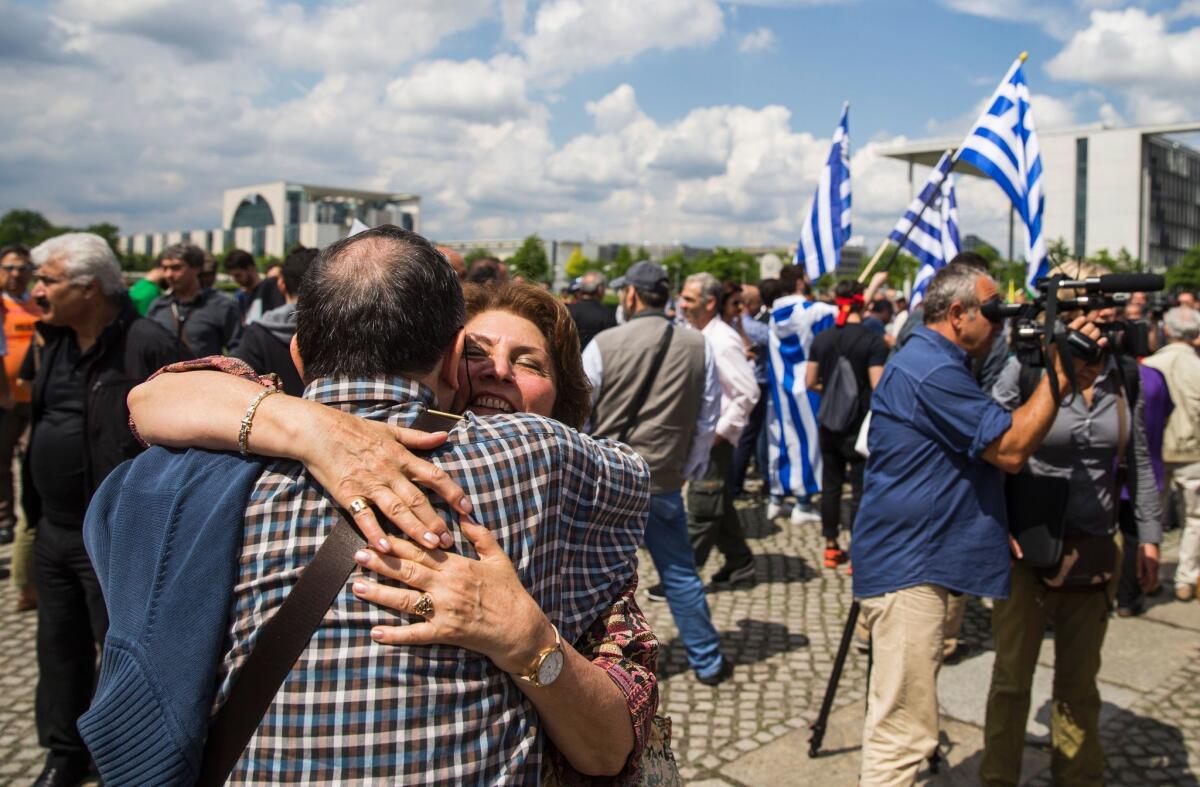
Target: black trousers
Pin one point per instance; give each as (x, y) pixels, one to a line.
(1129, 592)
(12, 425)
(839, 462)
(72, 622)
(748, 443)
(712, 519)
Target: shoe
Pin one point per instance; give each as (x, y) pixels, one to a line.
(722, 675)
(862, 644)
(6, 535)
(804, 513)
(657, 592)
(1185, 592)
(834, 557)
(958, 654)
(849, 568)
(775, 510)
(729, 575)
(63, 772)
(1128, 612)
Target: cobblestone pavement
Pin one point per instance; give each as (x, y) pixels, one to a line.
(781, 631)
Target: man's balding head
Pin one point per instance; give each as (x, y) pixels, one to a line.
(591, 285)
(382, 302)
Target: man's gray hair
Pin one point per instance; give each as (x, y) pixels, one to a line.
(85, 257)
(1182, 324)
(591, 283)
(710, 286)
(955, 282)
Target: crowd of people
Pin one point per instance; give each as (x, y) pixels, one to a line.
(485, 459)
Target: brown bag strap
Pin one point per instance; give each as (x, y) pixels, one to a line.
(285, 636)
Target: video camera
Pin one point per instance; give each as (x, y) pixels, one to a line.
(1030, 339)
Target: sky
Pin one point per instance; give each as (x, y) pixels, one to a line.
(697, 121)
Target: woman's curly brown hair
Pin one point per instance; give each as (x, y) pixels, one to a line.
(572, 403)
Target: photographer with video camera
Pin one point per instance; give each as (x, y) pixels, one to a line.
(932, 520)
(1063, 510)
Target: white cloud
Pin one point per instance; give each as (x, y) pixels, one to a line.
(572, 36)
(1134, 52)
(761, 40)
(470, 90)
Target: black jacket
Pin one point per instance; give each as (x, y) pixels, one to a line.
(267, 346)
(591, 317)
(130, 349)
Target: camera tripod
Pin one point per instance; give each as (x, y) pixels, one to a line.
(835, 677)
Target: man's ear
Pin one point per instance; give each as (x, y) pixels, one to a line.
(448, 375)
(294, 348)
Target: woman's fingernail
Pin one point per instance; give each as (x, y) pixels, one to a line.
(362, 556)
(465, 505)
(447, 541)
(376, 634)
(360, 587)
(430, 539)
(383, 545)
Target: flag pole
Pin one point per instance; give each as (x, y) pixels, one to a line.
(932, 193)
(866, 271)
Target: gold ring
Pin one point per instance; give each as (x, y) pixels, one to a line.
(358, 505)
(424, 605)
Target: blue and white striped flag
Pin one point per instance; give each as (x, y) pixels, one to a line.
(828, 225)
(794, 448)
(1004, 144)
(933, 239)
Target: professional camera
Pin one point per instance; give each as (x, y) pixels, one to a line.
(1030, 337)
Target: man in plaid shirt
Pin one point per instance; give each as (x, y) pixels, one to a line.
(568, 510)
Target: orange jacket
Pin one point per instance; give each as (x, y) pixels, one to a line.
(18, 333)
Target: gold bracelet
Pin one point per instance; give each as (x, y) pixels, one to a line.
(248, 420)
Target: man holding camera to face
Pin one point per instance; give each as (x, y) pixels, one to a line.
(932, 520)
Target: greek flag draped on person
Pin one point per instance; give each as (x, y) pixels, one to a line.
(930, 234)
(828, 226)
(1003, 144)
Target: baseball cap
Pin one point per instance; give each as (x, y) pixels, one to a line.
(644, 275)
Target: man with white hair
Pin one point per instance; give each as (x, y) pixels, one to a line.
(1181, 440)
(96, 348)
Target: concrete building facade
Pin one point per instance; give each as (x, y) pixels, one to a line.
(268, 219)
(1134, 188)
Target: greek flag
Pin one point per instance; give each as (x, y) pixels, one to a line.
(794, 449)
(828, 225)
(1004, 145)
(929, 228)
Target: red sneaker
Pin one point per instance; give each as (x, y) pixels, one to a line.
(834, 557)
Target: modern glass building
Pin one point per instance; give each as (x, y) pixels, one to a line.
(1134, 188)
(271, 218)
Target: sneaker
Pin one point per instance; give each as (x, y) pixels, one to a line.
(657, 592)
(1129, 612)
(1185, 592)
(729, 575)
(834, 557)
(722, 675)
(775, 510)
(63, 772)
(804, 513)
(6, 535)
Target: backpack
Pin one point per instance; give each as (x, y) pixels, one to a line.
(840, 403)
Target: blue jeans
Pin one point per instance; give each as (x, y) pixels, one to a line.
(671, 551)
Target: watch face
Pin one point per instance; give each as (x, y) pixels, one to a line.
(550, 668)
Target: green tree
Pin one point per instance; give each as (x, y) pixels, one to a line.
(475, 254)
(619, 263)
(1185, 274)
(676, 266)
(108, 231)
(727, 265)
(27, 227)
(1124, 262)
(1058, 252)
(577, 264)
(642, 254)
(903, 269)
(529, 261)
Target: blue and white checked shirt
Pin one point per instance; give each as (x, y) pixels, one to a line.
(569, 511)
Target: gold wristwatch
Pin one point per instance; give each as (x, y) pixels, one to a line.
(548, 665)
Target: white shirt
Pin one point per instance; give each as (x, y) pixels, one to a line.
(706, 421)
(739, 389)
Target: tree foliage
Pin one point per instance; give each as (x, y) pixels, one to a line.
(1185, 274)
(1124, 262)
(577, 264)
(619, 263)
(530, 261)
(475, 254)
(29, 228)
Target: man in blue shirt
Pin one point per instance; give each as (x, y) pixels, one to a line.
(932, 520)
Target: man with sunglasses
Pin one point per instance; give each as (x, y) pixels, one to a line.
(932, 522)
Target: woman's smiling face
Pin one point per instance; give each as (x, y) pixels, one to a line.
(506, 367)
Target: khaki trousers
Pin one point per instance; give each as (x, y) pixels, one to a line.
(901, 730)
(1080, 621)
